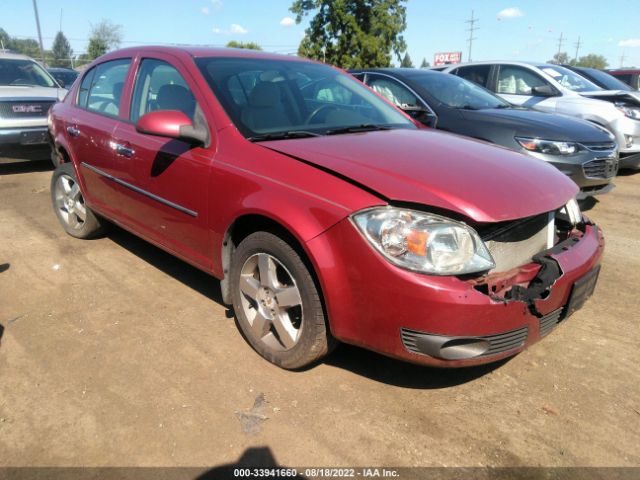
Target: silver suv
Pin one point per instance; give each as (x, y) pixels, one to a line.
(27, 92)
(556, 89)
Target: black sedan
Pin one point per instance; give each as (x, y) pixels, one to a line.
(601, 79)
(64, 76)
(583, 151)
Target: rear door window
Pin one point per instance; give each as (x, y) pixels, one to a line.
(106, 87)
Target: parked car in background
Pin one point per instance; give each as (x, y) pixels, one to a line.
(630, 76)
(583, 151)
(326, 212)
(64, 76)
(556, 89)
(27, 92)
(602, 79)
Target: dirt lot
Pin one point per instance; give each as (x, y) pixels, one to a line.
(114, 353)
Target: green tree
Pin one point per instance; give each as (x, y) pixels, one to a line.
(352, 33)
(247, 45)
(593, 61)
(5, 39)
(424, 63)
(406, 61)
(561, 58)
(61, 51)
(105, 36)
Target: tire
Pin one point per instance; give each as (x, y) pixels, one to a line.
(68, 203)
(277, 304)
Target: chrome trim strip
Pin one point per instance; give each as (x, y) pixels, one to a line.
(152, 196)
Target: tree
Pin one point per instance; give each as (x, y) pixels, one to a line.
(593, 61)
(424, 63)
(406, 61)
(352, 33)
(561, 58)
(61, 51)
(247, 45)
(4, 39)
(105, 36)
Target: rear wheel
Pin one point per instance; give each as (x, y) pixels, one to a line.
(76, 218)
(277, 303)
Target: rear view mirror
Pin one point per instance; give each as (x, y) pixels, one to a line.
(543, 91)
(171, 124)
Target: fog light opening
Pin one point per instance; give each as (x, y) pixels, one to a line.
(463, 348)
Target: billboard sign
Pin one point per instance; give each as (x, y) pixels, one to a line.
(447, 58)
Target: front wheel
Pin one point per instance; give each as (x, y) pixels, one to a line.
(277, 303)
(76, 218)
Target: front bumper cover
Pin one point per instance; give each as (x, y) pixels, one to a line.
(371, 303)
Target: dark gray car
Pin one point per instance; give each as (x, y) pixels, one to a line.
(583, 151)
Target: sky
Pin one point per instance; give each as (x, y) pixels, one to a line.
(509, 30)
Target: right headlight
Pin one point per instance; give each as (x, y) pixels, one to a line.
(424, 242)
(629, 111)
(550, 147)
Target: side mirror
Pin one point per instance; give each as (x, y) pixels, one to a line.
(543, 91)
(172, 124)
(421, 114)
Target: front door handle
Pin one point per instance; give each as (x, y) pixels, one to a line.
(73, 131)
(121, 149)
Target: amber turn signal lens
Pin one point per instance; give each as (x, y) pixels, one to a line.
(417, 242)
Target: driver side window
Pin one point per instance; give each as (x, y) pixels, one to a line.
(397, 94)
(518, 81)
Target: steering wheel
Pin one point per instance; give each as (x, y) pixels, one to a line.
(317, 111)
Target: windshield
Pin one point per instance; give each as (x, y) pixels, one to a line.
(608, 81)
(569, 79)
(456, 92)
(24, 72)
(266, 98)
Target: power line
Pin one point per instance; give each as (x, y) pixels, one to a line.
(472, 28)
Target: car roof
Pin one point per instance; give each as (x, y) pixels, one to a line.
(14, 56)
(406, 72)
(60, 69)
(624, 70)
(200, 52)
(507, 62)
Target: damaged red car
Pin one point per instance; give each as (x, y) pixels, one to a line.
(328, 215)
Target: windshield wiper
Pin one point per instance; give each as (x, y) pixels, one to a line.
(467, 107)
(502, 105)
(365, 127)
(282, 135)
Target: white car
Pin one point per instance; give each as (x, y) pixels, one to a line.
(556, 89)
(27, 92)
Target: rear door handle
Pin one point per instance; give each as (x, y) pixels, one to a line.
(121, 149)
(73, 131)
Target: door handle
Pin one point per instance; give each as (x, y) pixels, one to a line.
(73, 131)
(121, 149)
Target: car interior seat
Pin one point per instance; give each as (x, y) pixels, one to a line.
(176, 97)
(264, 108)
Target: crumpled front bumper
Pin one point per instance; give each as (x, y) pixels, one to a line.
(373, 304)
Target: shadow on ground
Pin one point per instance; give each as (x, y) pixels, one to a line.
(27, 166)
(362, 362)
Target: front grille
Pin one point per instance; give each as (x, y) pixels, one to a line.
(498, 343)
(601, 168)
(600, 146)
(25, 109)
(549, 321)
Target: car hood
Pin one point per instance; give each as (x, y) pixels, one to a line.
(538, 124)
(615, 96)
(8, 92)
(475, 179)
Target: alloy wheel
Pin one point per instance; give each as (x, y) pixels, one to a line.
(69, 202)
(271, 301)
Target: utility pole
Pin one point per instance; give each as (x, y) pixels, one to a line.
(622, 59)
(560, 42)
(35, 9)
(577, 50)
(472, 28)
(60, 29)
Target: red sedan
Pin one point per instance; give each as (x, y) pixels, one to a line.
(327, 214)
